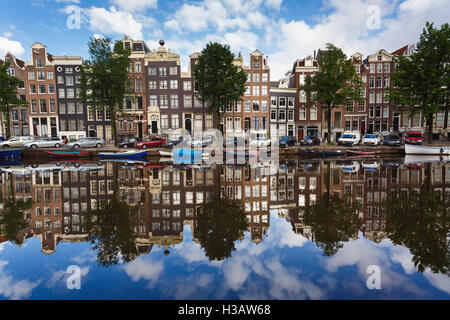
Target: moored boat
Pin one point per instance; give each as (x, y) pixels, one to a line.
(431, 150)
(67, 154)
(124, 154)
(360, 153)
(419, 159)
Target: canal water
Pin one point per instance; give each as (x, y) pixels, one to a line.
(301, 229)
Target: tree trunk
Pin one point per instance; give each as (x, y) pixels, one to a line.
(7, 116)
(329, 124)
(114, 128)
(430, 129)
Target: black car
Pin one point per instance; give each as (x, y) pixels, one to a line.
(129, 143)
(310, 141)
(172, 143)
(392, 140)
(287, 141)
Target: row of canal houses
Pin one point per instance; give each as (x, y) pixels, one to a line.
(166, 100)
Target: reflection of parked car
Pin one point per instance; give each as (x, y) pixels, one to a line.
(414, 138)
(53, 142)
(371, 139)
(310, 141)
(235, 142)
(172, 143)
(350, 139)
(392, 140)
(260, 142)
(16, 142)
(287, 141)
(201, 142)
(152, 143)
(129, 143)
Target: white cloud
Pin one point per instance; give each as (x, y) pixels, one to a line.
(135, 5)
(274, 4)
(346, 27)
(438, 280)
(15, 47)
(114, 22)
(144, 268)
(13, 289)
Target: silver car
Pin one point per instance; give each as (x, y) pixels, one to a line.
(16, 142)
(86, 143)
(53, 142)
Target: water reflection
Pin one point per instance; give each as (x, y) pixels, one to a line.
(126, 210)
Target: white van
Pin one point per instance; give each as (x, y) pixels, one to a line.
(350, 139)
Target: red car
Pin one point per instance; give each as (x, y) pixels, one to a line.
(414, 138)
(152, 143)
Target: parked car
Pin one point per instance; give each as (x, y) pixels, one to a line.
(350, 139)
(86, 143)
(235, 142)
(16, 142)
(392, 140)
(53, 142)
(172, 143)
(310, 141)
(371, 139)
(261, 142)
(154, 142)
(414, 137)
(287, 141)
(201, 142)
(129, 143)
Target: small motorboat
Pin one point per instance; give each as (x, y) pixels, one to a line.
(360, 153)
(184, 156)
(420, 159)
(68, 154)
(124, 154)
(435, 150)
(333, 153)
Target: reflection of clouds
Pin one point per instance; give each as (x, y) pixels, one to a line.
(15, 290)
(193, 286)
(438, 280)
(403, 256)
(59, 278)
(85, 256)
(363, 253)
(144, 268)
(3, 245)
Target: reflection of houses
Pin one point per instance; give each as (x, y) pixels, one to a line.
(182, 192)
(251, 186)
(46, 217)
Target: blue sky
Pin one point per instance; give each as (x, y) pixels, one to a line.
(284, 30)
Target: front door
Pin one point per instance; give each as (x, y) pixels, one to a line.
(396, 122)
(188, 125)
(300, 134)
(140, 133)
(154, 127)
(363, 127)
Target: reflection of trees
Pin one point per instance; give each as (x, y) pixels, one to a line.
(332, 220)
(220, 222)
(420, 221)
(12, 219)
(110, 228)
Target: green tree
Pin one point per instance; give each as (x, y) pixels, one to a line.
(333, 221)
(421, 81)
(219, 81)
(110, 228)
(8, 95)
(220, 222)
(335, 84)
(105, 81)
(420, 221)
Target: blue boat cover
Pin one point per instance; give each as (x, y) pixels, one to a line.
(186, 156)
